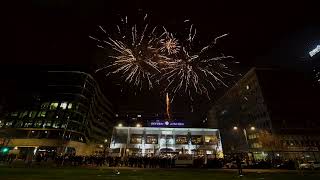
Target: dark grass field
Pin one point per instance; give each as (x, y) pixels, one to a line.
(141, 174)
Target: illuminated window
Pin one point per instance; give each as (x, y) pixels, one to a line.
(32, 114)
(54, 105)
(210, 140)
(69, 105)
(28, 124)
(196, 140)
(14, 114)
(42, 114)
(181, 140)
(256, 145)
(63, 105)
(45, 105)
(64, 126)
(8, 123)
(152, 139)
(38, 123)
(169, 139)
(136, 139)
(55, 124)
(139, 115)
(47, 124)
(22, 115)
(19, 124)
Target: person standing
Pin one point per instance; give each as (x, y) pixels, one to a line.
(238, 162)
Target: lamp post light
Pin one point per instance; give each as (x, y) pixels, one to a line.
(252, 128)
(138, 125)
(120, 125)
(105, 147)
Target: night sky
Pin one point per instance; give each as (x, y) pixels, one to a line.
(263, 34)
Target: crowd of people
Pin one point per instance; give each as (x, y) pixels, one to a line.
(110, 161)
(135, 161)
(161, 161)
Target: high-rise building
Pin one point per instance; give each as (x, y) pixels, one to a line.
(269, 113)
(62, 111)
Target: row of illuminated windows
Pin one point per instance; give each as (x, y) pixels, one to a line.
(55, 105)
(252, 136)
(31, 115)
(291, 143)
(300, 143)
(57, 124)
(48, 134)
(55, 135)
(179, 139)
(256, 145)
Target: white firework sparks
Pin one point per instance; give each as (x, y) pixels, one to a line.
(142, 56)
(193, 71)
(169, 44)
(134, 53)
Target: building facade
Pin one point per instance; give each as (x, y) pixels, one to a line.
(66, 112)
(163, 138)
(267, 114)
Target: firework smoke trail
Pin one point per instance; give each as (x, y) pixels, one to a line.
(168, 106)
(135, 52)
(194, 71)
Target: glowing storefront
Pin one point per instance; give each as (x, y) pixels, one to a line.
(159, 140)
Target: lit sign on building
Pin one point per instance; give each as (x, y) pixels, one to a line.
(159, 123)
(314, 51)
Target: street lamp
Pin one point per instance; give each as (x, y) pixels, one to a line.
(120, 125)
(252, 128)
(138, 125)
(105, 147)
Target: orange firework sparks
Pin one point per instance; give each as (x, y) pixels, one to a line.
(168, 105)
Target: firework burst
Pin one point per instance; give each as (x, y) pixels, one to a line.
(169, 44)
(134, 52)
(143, 54)
(194, 71)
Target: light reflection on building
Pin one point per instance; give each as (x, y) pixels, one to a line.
(155, 141)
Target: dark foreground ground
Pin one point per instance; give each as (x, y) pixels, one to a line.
(7, 173)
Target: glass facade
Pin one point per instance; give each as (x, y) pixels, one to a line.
(151, 140)
(70, 103)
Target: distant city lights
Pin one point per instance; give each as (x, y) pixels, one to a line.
(314, 51)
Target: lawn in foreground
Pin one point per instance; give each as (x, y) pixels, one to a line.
(140, 174)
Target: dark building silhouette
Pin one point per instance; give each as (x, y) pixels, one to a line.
(269, 113)
(59, 111)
